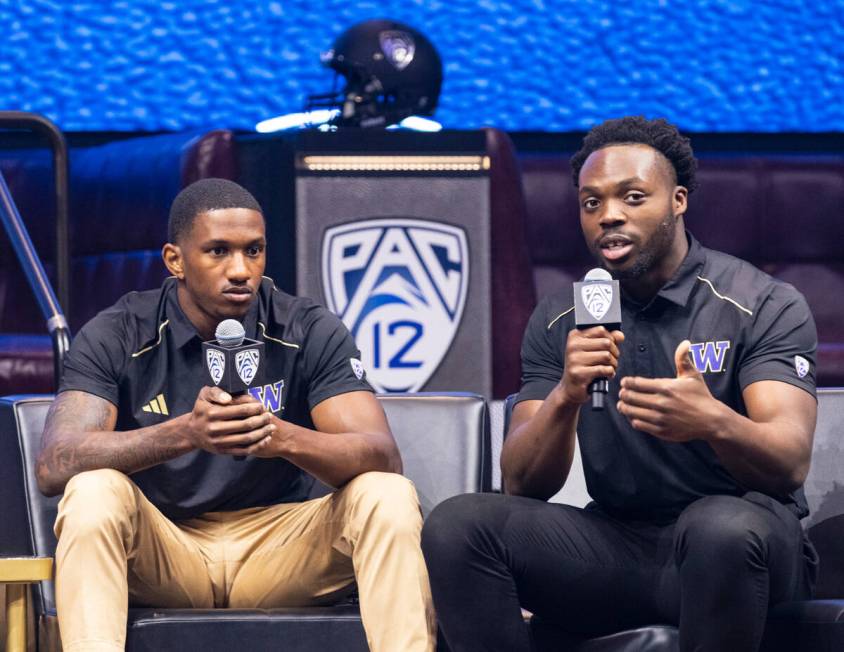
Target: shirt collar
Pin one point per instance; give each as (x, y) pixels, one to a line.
(183, 330)
(680, 287)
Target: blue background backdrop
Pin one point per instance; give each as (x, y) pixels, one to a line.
(713, 65)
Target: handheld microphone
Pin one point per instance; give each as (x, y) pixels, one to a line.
(234, 362)
(597, 302)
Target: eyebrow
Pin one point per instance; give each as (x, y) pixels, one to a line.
(621, 184)
(227, 243)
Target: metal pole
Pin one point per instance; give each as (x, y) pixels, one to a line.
(37, 277)
(58, 146)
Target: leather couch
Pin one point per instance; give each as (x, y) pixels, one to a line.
(444, 442)
(783, 213)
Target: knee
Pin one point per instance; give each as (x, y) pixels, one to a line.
(451, 528)
(384, 499)
(93, 499)
(717, 529)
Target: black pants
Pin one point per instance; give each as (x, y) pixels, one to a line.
(714, 572)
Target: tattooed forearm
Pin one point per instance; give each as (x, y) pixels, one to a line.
(79, 436)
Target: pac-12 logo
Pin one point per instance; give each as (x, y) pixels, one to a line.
(399, 285)
(597, 297)
(246, 362)
(216, 364)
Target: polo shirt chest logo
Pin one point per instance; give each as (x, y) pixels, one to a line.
(269, 395)
(157, 406)
(710, 356)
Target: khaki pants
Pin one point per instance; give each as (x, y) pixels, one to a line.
(116, 548)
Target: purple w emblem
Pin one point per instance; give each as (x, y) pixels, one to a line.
(710, 356)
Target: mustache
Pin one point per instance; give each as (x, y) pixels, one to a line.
(614, 236)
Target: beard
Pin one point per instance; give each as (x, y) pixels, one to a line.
(652, 251)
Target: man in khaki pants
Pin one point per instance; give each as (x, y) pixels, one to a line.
(160, 506)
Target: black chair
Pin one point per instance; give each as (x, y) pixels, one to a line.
(444, 441)
(805, 626)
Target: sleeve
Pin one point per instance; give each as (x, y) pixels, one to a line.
(95, 361)
(542, 354)
(783, 342)
(332, 360)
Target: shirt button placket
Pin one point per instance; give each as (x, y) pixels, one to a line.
(644, 359)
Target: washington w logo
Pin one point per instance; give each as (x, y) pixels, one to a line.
(709, 356)
(399, 285)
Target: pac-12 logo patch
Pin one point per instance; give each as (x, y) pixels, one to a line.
(216, 364)
(801, 365)
(357, 368)
(246, 363)
(399, 285)
(597, 297)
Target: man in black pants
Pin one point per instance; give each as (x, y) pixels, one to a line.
(695, 465)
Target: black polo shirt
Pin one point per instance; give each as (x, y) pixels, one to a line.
(744, 326)
(145, 357)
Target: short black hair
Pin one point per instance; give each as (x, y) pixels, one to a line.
(203, 196)
(659, 134)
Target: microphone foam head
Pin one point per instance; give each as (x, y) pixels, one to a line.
(230, 333)
(598, 274)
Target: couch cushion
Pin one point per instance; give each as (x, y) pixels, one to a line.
(223, 630)
(554, 231)
(802, 203)
(809, 626)
(656, 638)
(26, 364)
(723, 212)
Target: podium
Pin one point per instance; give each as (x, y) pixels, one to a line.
(396, 233)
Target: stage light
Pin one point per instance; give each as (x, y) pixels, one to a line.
(302, 120)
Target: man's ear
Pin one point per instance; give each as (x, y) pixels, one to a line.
(172, 256)
(679, 200)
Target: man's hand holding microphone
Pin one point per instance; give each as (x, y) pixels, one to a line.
(592, 349)
(591, 356)
(226, 419)
(227, 425)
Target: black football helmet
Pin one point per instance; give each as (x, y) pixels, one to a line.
(391, 71)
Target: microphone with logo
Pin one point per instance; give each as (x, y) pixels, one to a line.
(597, 302)
(234, 362)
